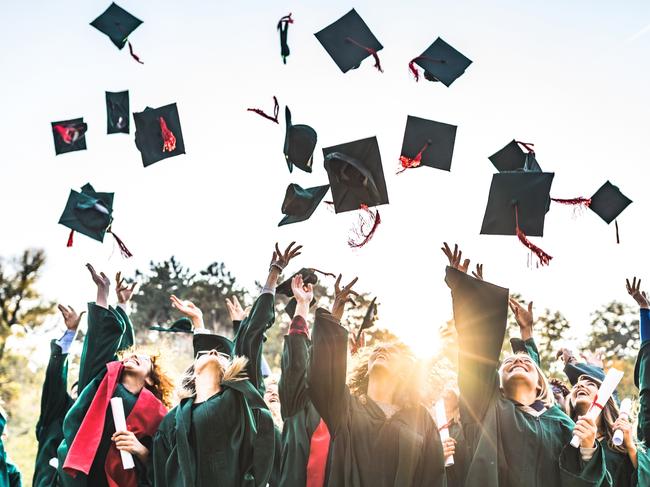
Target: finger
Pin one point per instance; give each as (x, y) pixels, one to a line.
(627, 285)
(81, 314)
(466, 263)
(133, 286)
(352, 283)
(456, 254)
(337, 289)
(530, 307)
(91, 269)
(353, 293)
(638, 286)
(235, 301)
(310, 288)
(351, 301)
(104, 277)
(62, 309)
(277, 250)
(296, 249)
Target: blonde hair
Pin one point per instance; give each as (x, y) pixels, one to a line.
(544, 390)
(235, 371)
(162, 384)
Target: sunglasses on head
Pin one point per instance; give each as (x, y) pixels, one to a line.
(141, 358)
(208, 352)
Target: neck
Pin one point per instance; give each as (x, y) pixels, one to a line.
(382, 386)
(132, 383)
(581, 410)
(521, 393)
(206, 384)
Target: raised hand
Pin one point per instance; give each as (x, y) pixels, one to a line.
(123, 290)
(188, 309)
(524, 317)
(70, 317)
(303, 293)
(342, 296)
(594, 358)
(478, 273)
(623, 424)
(639, 296)
(280, 260)
(103, 284)
(455, 258)
(566, 355)
(235, 311)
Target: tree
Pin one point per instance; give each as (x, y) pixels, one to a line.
(615, 331)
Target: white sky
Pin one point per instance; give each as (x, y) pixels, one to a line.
(570, 78)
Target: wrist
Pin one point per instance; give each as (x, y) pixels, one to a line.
(142, 452)
(197, 322)
(526, 333)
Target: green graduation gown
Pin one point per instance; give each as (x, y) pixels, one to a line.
(368, 449)
(9, 473)
(508, 447)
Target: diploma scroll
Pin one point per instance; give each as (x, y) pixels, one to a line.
(443, 429)
(625, 410)
(117, 406)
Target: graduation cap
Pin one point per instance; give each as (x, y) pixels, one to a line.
(368, 321)
(513, 158)
(440, 62)
(182, 325)
(299, 144)
(299, 204)
(309, 276)
(517, 205)
(349, 41)
(204, 342)
(69, 135)
(608, 202)
(427, 143)
(90, 213)
(283, 29)
(118, 24)
(158, 133)
(117, 112)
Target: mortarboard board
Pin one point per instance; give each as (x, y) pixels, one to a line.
(427, 143)
(299, 204)
(299, 144)
(69, 135)
(283, 29)
(158, 133)
(356, 175)
(117, 24)
(608, 202)
(517, 205)
(117, 112)
(513, 158)
(349, 41)
(204, 342)
(308, 277)
(440, 62)
(182, 325)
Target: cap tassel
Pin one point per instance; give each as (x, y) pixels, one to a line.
(133, 55)
(326, 274)
(70, 239)
(276, 111)
(126, 253)
(579, 201)
(618, 239)
(544, 258)
(68, 133)
(283, 27)
(408, 163)
(526, 145)
(370, 51)
(416, 73)
(169, 139)
(374, 219)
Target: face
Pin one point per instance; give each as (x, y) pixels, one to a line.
(450, 397)
(519, 368)
(138, 365)
(583, 393)
(271, 395)
(210, 358)
(387, 357)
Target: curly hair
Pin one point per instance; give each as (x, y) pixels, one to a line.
(162, 384)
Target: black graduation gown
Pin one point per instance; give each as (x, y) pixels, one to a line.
(368, 449)
(456, 472)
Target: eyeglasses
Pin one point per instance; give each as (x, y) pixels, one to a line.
(141, 358)
(214, 352)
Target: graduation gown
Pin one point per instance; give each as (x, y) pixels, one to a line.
(456, 472)
(9, 473)
(508, 447)
(368, 449)
(55, 403)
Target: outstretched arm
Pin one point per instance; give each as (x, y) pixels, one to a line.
(525, 320)
(642, 367)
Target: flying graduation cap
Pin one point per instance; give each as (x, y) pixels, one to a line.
(308, 277)
(90, 213)
(117, 112)
(182, 325)
(299, 144)
(349, 41)
(299, 204)
(283, 29)
(427, 143)
(69, 135)
(440, 62)
(158, 133)
(118, 24)
(513, 158)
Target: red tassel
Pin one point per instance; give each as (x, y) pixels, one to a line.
(579, 201)
(69, 133)
(70, 238)
(276, 111)
(133, 55)
(526, 145)
(544, 258)
(408, 163)
(374, 220)
(169, 139)
(618, 240)
(370, 51)
(414, 70)
(123, 249)
(286, 19)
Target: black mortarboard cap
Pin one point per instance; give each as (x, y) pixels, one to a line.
(356, 175)
(434, 141)
(608, 202)
(117, 24)
(528, 192)
(513, 158)
(349, 41)
(369, 318)
(88, 212)
(117, 112)
(299, 204)
(204, 342)
(308, 277)
(182, 325)
(299, 144)
(158, 133)
(69, 135)
(574, 371)
(441, 62)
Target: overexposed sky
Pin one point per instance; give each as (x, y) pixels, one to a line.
(570, 77)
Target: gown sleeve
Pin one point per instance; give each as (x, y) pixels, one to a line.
(128, 338)
(55, 400)
(292, 386)
(161, 453)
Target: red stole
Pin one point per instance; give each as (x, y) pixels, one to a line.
(318, 449)
(143, 420)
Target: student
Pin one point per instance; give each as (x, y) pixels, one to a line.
(642, 367)
(89, 454)
(222, 433)
(381, 434)
(516, 434)
(55, 402)
(9, 473)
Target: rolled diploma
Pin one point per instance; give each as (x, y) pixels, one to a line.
(606, 390)
(441, 418)
(117, 406)
(625, 410)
